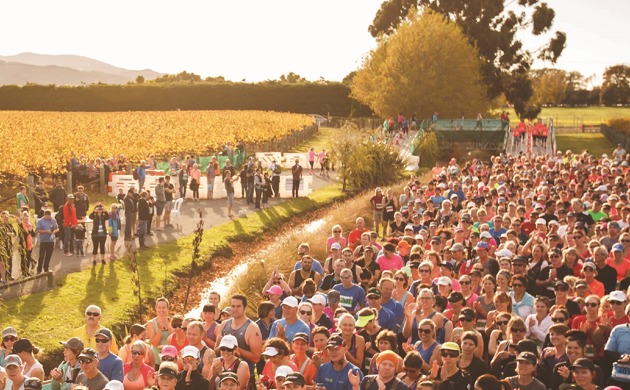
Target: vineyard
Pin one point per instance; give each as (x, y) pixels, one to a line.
(42, 142)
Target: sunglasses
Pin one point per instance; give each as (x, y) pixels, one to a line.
(226, 349)
(517, 330)
(101, 341)
(425, 331)
(168, 359)
(92, 314)
(464, 282)
(616, 303)
(501, 323)
(373, 297)
(85, 361)
(555, 256)
(306, 313)
(400, 279)
(425, 271)
(447, 353)
(558, 319)
(136, 353)
(561, 288)
(336, 231)
(591, 304)
(9, 338)
(518, 285)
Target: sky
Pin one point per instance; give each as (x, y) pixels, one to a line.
(258, 40)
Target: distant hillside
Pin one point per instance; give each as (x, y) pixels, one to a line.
(64, 70)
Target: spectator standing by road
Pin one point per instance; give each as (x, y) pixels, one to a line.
(46, 228)
(296, 172)
(69, 223)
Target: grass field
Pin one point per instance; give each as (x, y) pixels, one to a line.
(596, 143)
(572, 116)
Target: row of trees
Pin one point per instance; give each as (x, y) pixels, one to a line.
(560, 87)
(305, 98)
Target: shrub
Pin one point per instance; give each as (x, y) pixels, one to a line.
(620, 124)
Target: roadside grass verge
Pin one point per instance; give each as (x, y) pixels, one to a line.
(572, 116)
(48, 317)
(596, 143)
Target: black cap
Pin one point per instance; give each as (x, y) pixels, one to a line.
(301, 336)
(414, 264)
(335, 341)
(583, 363)
(455, 296)
(33, 383)
(520, 259)
(447, 265)
(88, 354)
(168, 372)
(467, 312)
(295, 378)
(527, 357)
(104, 332)
(373, 291)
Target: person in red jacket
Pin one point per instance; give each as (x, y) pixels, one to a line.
(69, 223)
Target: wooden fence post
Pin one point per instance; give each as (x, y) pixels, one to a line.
(69, 188)
(103, 181)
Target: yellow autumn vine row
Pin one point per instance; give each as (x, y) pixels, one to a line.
(42, 142)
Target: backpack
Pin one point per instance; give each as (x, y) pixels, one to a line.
(277, 169)
(135, 174)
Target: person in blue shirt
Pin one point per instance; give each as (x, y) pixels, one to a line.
(619, 342)
(386, 285)
(337, 374)
(304, 249)
(109, 364)
(289, 324)
(386, 318)
(46, 228)
(352, 296)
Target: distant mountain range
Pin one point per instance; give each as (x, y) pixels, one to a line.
(46, 69)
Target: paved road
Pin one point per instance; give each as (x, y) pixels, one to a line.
(214, 212)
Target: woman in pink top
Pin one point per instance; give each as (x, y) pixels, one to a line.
(195, 180)
(138, 375)
(390, 260)
(337, 237)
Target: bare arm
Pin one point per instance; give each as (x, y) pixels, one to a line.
(254, 340)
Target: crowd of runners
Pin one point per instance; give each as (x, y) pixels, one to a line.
(507, 274)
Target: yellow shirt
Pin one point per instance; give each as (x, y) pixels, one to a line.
(88, 342)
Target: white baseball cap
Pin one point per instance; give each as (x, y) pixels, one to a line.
(290, 301)
(270, 351)
(190, 351)
(228, 341)
(618, 296)
(318, 299)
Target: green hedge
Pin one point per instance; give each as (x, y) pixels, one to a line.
(325, 99)
(48, 317)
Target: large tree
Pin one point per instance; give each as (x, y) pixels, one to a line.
(616, 86)
(426, 65)
(550, 85)
(491, 26)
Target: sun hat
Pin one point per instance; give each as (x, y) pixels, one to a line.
(228, 341)
(283, 371)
